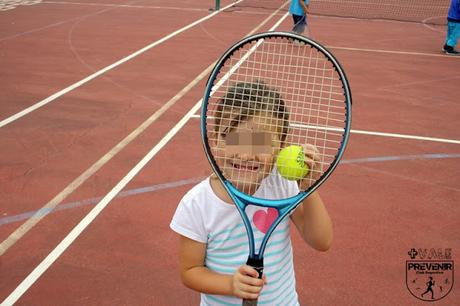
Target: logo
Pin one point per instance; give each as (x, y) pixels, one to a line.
(430, 273)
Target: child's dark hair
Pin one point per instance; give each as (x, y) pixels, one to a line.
(249, 98)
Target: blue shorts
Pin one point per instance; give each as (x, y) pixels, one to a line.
(299, 23)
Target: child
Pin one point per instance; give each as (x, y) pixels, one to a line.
(453, 28)
(213, 243)
(299, 10)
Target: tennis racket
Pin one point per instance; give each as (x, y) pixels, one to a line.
(266, 84)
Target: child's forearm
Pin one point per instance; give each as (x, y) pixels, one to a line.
(304, 6)
(317, 225)
(206, 281)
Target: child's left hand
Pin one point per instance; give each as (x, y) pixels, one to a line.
(313, 161)
(246, 284)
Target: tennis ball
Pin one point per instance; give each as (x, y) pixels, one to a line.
(290, 163)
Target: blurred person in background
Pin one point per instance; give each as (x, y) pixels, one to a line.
(453, 28)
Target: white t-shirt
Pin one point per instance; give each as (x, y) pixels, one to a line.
(203, 217)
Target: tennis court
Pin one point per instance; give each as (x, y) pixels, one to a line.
(100, 139)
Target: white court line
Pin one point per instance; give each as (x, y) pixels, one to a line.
(68, 240)
(102, 71)
(34, 30)
(439, 29)
(413, 137)
(394, 135)
(31, 222)
(393, 52)
(39, 215)
(127, 5)
(81, 226)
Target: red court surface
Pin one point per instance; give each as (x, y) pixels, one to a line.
(92, 108)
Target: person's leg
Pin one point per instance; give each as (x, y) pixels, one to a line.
(299, 24)
(453, 34)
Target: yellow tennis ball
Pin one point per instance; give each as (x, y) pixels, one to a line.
(291, 163)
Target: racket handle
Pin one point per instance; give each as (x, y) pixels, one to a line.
(249, 302)
(257, 264)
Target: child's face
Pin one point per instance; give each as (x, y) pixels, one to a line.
(246, 152)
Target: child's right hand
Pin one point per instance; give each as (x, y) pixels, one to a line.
(246, 283)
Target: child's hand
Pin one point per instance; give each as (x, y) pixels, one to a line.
(305, 9)
(246, 284)
(312, 159)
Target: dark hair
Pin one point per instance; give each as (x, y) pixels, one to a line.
(249, 98)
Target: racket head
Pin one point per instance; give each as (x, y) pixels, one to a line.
(266, 92)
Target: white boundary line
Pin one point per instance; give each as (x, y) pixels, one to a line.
(393, 52)
(52, 204)
(126, 6)
(77, 230)
(39, 215)
(413, 137)
(64, 91)
(53, 97)
(31, 222)
(81, 226)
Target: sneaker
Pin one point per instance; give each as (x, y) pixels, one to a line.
(449, 50)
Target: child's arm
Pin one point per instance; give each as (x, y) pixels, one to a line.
(304, 6)
(311, 217)
(313, 223)
(195, 275)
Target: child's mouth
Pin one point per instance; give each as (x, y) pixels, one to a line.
(245, 167)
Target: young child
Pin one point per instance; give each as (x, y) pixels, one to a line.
(213, 243)
(299, 9)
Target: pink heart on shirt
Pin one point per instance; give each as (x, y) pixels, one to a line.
(263, 219)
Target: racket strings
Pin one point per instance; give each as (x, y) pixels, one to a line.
(271, 80)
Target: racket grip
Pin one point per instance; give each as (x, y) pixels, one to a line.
(249, 302)
(257, 264)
